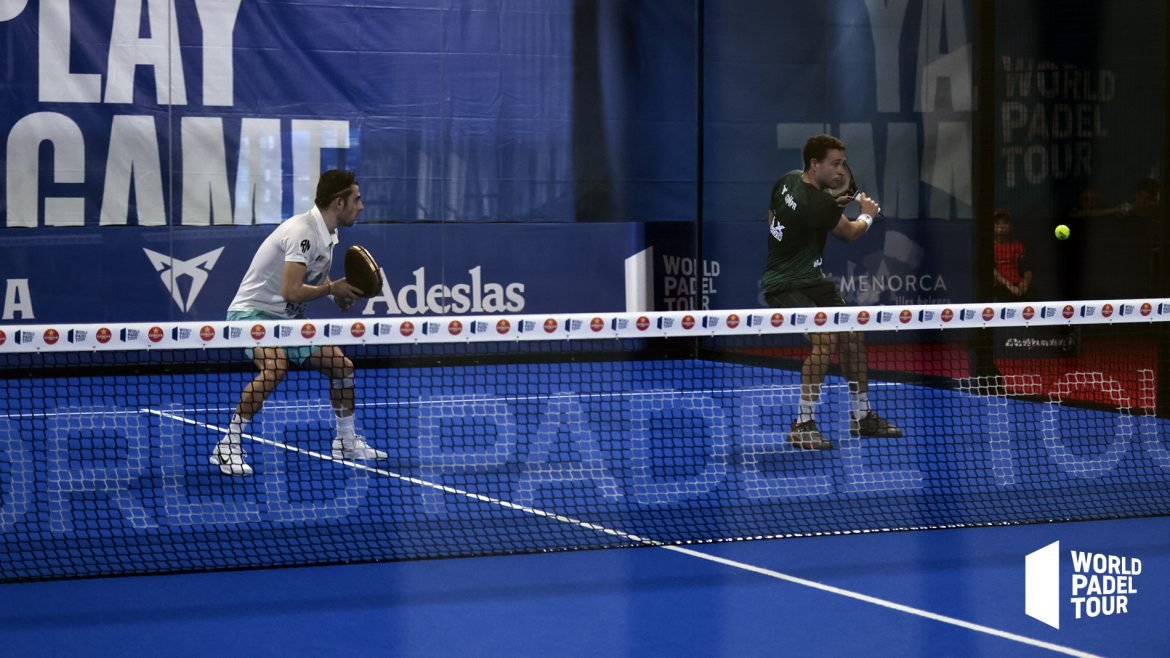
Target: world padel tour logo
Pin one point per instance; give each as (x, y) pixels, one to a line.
(1099, 584)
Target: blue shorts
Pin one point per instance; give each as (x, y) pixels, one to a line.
(297, 355)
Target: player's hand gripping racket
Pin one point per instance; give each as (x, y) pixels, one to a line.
(846, 195)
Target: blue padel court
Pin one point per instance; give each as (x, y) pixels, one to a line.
(535, 458)
(953, 592)
(542, 328)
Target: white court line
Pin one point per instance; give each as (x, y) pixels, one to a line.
(812, 584)
(301, 406)
(55, 414)
(865, 598)
(420, 402)
(413, 480)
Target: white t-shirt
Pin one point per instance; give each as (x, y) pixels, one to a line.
(299, 239)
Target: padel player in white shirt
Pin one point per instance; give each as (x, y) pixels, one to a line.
(291, 269)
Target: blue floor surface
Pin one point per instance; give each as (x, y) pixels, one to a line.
(643, 601)
(106, 476)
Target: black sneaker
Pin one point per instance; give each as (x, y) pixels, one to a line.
(806, 436)
(874, 425)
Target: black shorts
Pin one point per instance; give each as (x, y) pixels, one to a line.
(819, 294)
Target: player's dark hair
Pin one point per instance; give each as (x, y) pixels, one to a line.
(334, 184)
(817, 148)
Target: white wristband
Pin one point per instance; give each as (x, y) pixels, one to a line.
(864, 217)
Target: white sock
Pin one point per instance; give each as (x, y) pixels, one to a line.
(860, 402)
(806, 411)
(345, 427)
(236, 429)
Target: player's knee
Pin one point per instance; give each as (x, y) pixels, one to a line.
(275, 369)
(824, 342)
(341, 374)
(852, 342)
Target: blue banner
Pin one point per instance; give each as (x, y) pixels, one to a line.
(156, 274)
(198, 112)
(152, 133)
(895, 263)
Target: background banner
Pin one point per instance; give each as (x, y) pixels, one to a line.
(541, 142)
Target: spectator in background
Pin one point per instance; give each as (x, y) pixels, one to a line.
(1145, 204)
(1146, 200)
(1089, 205)
(1013, 276)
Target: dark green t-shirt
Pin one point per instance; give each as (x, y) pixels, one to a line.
(796, 244)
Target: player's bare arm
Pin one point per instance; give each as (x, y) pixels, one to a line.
(295, 291)
(847, 229)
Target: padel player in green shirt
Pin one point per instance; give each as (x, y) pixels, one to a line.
(802, 214)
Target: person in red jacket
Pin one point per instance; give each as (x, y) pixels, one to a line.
(1013, 276)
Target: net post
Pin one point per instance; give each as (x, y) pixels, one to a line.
(983, 172)
(700, 102)
(1161, 269)
(698, 297)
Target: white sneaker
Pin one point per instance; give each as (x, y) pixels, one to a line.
(229, 457)
(356, 449)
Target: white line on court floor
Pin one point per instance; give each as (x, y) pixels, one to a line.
(302, 406)
(865, 598)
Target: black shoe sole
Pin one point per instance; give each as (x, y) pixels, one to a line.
(807, 446)
(874, 435)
